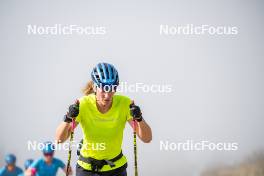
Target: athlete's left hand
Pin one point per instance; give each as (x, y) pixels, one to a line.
(135, 112)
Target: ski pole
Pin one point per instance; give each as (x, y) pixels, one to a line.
(73, 124)
(70, 147)
(135, 147)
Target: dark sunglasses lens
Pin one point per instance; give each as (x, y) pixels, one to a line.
(48, 154)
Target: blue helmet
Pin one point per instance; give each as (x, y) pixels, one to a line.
(28, 163)
(10, 159)
(105, 74)
(48, 148)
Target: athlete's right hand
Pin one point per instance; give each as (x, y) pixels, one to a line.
(73, 112)
(30, 172)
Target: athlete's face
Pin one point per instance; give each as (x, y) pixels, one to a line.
(104, 97)
(48, 157)
(10, 167)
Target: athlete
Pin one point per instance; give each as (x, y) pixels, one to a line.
(102, 116)
(48, 165)
(27, 163)
(10, 169)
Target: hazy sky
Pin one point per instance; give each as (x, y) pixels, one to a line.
(217, 80)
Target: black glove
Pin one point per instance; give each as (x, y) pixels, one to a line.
(73, 112)
(135, 112)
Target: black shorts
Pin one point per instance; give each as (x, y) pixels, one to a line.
(121, 171)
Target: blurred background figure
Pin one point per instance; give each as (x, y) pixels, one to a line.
(252, 165)
(27, 163)
(10, 169)
(48, 165)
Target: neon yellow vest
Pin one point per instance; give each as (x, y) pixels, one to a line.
(103, 133)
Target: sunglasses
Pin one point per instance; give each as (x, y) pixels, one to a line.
(107, 88)
(48, 154)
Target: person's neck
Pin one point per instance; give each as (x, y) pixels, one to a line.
(103, 108)
(48, 162)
